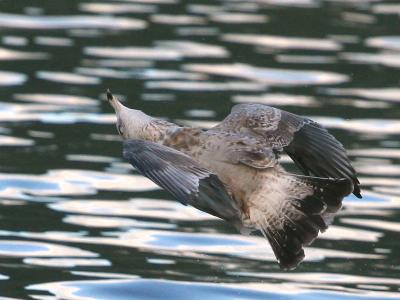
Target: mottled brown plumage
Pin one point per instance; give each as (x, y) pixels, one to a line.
(310, 146)
(232, 171)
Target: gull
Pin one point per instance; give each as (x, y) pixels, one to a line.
(232, 171)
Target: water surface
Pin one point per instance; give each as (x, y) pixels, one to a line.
(77, 222)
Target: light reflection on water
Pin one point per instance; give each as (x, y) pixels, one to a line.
(11, 78)
(142, 289)
(78, 223)
(67, 22)
(12, 248)
(278, 77)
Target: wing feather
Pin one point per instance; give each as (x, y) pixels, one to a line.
(321, 154)
(314, 150)
(183, 177)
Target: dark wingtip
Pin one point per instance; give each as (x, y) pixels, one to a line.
(356, 189)
(290, 263)
(109, 95)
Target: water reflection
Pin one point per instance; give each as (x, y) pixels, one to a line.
(70, 182)
(277, 100)
(279, 77)
(378, 224)
(114, 222)
(11, 78)
(66, 262)
(389, 8)
(387, 59)
(177, 19)
(3, 277)
(205, 86)
(239, 18)
(68, 22)
(12, 248)
(199, 246)
(133, 53)
(281, 42)
(164, 50)
(117, 8)
(68, 78)
(146, 208)
(144, 289)
(384, 42)
(385, 94)
(57, 99)
(79, 223)
(17, 41)
(53, 41)
(14, 141)
(8, 54)
(368, 126)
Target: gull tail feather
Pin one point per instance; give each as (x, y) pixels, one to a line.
(296, 222)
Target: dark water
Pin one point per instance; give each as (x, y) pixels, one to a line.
(78, 223)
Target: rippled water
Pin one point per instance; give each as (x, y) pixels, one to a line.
(77, 222)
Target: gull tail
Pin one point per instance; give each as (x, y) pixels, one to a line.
(297, 220)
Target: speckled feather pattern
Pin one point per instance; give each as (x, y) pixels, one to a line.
(247, 167)
(232, 171)
(276, 127)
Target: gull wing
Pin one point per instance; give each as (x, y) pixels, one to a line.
(229, 147)
(314, 150)
(249, 152)
(183, 177)
(236, 148)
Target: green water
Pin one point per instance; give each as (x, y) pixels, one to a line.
(77, 222)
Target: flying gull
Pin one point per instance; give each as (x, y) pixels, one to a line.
(232, 171)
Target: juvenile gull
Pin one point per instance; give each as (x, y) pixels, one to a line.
(232, 171)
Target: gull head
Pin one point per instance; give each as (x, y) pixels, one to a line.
(131, 123)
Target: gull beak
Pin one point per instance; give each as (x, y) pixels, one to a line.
(109, 95)
(113, 101)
